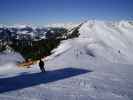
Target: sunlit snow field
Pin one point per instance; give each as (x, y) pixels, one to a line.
(98, 65)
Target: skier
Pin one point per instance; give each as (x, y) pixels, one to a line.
(41, 65)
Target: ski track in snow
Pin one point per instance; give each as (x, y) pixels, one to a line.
(109, 75)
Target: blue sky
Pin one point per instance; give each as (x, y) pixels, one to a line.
(42, 12)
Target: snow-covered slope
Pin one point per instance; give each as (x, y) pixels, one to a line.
(105, 48)
(113, 41)
(7, 58)
(95, 66)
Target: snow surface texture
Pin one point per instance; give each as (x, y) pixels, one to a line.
(112, 41)
(95, 66)
(10, 58)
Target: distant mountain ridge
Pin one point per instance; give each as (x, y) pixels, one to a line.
(114, 38)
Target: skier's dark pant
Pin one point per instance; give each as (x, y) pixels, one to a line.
(42, 69)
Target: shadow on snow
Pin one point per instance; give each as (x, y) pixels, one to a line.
(28, 80)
